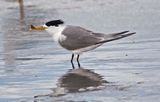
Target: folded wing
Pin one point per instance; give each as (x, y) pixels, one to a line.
(77, 37)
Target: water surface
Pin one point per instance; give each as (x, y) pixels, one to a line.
(34, 68)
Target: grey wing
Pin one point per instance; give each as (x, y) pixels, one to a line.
(77, 37)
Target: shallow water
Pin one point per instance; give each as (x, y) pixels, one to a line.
(34, 68)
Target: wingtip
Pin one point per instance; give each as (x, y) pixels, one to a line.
(129, 34)
(127, 31)
(124, 32)
(133, 33)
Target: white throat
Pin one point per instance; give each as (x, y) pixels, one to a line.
(56, 32)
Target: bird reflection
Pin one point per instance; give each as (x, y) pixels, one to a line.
(77, 80)
(80, 80)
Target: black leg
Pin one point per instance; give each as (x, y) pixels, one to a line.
(78, 61)
(72, 61)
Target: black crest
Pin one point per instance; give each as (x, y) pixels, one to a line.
(54, 23)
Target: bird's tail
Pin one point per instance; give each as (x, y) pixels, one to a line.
(116, 36)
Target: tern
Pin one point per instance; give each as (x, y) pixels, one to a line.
(77, 39)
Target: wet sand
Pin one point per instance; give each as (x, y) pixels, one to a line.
(34, 68)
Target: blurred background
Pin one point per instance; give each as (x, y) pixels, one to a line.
(32, 65)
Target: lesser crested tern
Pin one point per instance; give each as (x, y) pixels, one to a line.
(77, 39)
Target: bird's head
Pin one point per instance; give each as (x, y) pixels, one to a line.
(50, 24)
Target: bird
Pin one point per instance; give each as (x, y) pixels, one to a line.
(77, 39)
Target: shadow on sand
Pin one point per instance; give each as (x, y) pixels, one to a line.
(77, 80)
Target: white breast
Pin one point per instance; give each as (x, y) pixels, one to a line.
(56, 32)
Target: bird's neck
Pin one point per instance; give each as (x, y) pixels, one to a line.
(56, 32)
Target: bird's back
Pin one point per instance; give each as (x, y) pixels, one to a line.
(77, 37)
